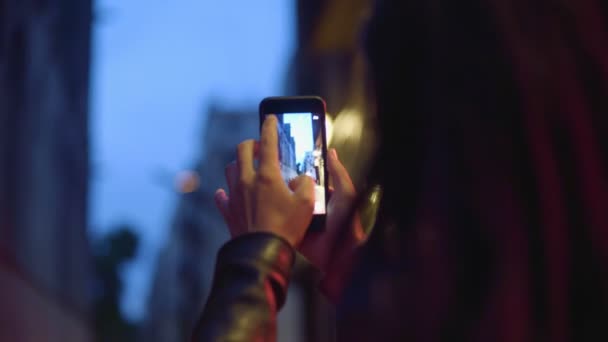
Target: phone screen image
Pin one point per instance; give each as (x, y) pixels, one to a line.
(301, 151)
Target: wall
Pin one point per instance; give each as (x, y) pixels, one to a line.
(45, 264)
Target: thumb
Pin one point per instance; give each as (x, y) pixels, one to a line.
(304, 188)
(338, 173)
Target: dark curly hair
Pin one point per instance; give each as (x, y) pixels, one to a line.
(493, 157)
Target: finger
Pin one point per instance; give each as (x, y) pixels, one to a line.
(245, 156)
(231, 174)
(269, 145)
(256, 150)
(304, 188)
(294, 183)
(338, 173)
(221, 202)
(256, 155)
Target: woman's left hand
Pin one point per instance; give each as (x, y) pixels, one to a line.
(332, 250)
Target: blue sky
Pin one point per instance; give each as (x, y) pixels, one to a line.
(301, 131)
(156, 65)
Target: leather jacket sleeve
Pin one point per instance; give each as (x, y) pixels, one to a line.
(249, 287)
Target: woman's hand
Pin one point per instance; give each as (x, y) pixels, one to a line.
(259, 200)
(333, 249)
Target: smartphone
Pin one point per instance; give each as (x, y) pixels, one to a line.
(302, 144)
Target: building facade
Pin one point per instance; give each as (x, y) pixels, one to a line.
(287, 151)
(185, 267)
(45, 265)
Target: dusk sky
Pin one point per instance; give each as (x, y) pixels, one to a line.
(156, 65)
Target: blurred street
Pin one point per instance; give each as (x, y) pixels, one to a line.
(117, 121)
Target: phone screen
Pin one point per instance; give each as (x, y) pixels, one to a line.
(302, 151)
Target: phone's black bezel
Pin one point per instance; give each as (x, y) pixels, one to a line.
(302, 104)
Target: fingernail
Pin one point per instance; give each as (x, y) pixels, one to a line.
(334, 154)
(271, 118)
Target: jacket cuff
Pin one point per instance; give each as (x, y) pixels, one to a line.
(268, 253)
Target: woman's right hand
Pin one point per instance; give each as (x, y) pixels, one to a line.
(258, 199)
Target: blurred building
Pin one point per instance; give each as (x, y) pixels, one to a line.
(287, 151)
(185, 266)
(44, 256)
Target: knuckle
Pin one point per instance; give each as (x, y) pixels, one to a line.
(307, 200)
(309, 203)
(265, 142)
(269, 169)
(265, 177)
(244, 181)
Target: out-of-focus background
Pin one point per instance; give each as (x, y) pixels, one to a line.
(117, 118)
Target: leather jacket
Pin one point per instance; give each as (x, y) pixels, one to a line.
(249, 287)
